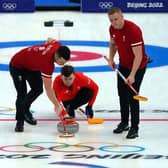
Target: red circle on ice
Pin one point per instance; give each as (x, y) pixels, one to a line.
(84, 56)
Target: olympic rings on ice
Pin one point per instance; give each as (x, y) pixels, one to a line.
(6, 148)
(122, 149)
(72, 148)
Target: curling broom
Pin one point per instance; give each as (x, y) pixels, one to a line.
(90, 120)
(137, 96)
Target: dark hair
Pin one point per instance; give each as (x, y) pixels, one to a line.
(113, 10)
(63, 52)
(67, 70)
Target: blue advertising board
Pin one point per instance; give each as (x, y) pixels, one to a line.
(17, 5)
(125, 5)
(54, 3)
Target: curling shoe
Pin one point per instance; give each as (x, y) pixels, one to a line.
(132, 133)
(19, 126)
(120, 128)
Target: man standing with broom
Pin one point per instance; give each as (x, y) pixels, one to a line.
(126, 38)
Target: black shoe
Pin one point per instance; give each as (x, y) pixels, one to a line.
(19, 126)
(29, 119)
(132, 133)
(120, 128)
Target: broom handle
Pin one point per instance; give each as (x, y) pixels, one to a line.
(63, 124)
(122, 76)
(62, 121)
(82, 113)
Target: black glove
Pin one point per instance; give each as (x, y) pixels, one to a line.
(89, 111)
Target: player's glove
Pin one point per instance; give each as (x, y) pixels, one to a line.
(149, 60)
(89, 111)
(68, 120)
(114, 66)
(63, 113)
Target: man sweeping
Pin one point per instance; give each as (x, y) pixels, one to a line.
(35, 65)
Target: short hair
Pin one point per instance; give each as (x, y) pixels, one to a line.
(67, 70)
(64, 52)
(113, 10)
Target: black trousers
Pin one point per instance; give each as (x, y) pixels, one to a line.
(24, 98)
(127, 103)
(82, 97)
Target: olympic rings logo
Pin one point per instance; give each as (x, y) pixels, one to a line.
(105, 5)
(9, 6)
(72, 148)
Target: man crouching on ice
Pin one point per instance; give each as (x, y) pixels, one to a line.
(74, 89)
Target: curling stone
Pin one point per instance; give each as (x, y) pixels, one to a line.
(69, 128)
(68, 23)
(48, 23)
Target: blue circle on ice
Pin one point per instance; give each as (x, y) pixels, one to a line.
(156, 53)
